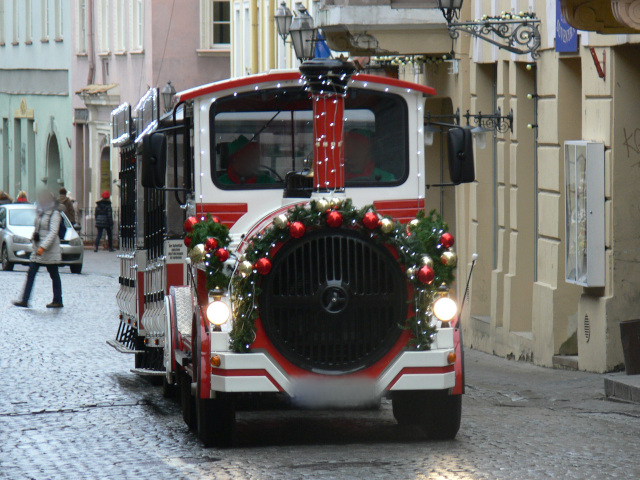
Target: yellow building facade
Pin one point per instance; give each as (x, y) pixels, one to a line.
(514, 216)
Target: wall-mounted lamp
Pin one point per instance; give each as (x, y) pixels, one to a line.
(516, 33)
(167, 92)
(301, 28)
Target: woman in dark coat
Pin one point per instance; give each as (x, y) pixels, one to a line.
(104, 220)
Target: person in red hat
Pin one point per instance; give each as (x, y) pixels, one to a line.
(244, 164)
(104, 219)
(358, 160)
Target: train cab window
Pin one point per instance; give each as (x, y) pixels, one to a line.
(259, 137)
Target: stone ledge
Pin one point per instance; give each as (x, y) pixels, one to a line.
(620, 386)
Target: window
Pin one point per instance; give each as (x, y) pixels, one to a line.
(137, 25)
(258, 138)
(1, 23)
(103, 26)
(82, 27)
(215, 24)
(58, 19)
(16, 23)
(45, 20)
(28, 31)
(120, 27)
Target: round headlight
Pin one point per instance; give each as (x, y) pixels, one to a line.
(445, 309)
(218, 312)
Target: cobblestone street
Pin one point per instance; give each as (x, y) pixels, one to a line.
(71, 409)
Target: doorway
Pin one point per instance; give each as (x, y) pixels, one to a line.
(53, 164)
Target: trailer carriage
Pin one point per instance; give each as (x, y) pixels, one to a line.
(274, 240)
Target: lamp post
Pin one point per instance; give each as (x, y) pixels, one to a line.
(167, 93)
(283, 17)
(303, 35)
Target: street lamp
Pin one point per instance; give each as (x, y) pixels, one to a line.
(480, 134)
(167, 93)
(283, 17)
(450, 9)
(303, 35)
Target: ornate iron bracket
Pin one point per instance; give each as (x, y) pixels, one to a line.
(517, 34)
(496, 121)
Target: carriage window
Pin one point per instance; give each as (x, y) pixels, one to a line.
(259, 137)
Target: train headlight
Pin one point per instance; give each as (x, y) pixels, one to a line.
(218, 310)
(445, 309)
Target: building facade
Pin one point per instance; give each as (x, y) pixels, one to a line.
(120, 49)
(521, 215)
(35, 100)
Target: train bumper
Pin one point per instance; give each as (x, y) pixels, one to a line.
(259, 372)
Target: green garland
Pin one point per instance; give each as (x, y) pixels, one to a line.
(413, 242)
(201, 232)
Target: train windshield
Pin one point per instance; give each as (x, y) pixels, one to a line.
(259, 137)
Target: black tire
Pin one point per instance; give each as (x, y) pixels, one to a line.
(188, 401)
(7, 266)
(216, 419)
(76, 268)
(436, 412)
(168, 389)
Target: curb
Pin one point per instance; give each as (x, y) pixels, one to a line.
(623, 387)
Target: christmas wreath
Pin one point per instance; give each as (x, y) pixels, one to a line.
(207, 241)
(423, 247)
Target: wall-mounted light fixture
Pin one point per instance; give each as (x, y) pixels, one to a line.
(516, 33)
(167, 92)
(300, 27)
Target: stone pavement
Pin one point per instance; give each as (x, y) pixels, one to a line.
(70, 409)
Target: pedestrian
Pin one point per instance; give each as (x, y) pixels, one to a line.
(5, 198)
(67, 205)
(46, 249)
(22, 197)
(104, 219)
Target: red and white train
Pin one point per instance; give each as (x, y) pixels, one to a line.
(348, 299)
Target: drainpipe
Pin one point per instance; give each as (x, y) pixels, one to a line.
(253, 20)
(90, 53)
(327, 81)
(273, 35)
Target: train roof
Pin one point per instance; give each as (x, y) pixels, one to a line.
(281, 76)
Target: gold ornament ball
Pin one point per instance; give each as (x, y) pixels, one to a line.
(427, 261)
(281, 221)
(245, 268)
(413, 224)
(322, 205)
(449, 259)
(197, 253)
(411, 273)
(386, 225)
(336, 202)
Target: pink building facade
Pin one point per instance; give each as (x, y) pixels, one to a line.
(120, 49)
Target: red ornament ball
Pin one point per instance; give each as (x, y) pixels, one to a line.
(334, 219)
(215, 219)
(189, 223)
(426, 275)
(222, 254)
(447, 240)
(210, 244)
(371, 220)
(297, 229)
(263, 266)
(187, 241)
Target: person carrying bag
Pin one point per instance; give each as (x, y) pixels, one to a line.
(46, 249)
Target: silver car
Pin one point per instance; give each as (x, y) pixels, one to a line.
(16, 230)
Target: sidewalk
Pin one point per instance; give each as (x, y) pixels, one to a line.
(620, 386)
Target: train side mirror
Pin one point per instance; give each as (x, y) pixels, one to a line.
(154, 160)
(461, 167)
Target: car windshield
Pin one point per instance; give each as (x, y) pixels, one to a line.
(22, 217)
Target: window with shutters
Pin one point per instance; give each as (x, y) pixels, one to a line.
(215, 24)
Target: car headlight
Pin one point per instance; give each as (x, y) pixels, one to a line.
(218, 312)
(75, 242)
(21, 240)
(445, 309)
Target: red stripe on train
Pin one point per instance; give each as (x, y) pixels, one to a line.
(228, 213)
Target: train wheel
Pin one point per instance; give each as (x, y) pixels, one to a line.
(216, 418)
(436, 412)
(188, 401)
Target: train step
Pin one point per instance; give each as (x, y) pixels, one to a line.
(146, 372)
(121, 348)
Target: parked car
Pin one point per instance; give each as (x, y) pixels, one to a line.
(16, 230)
